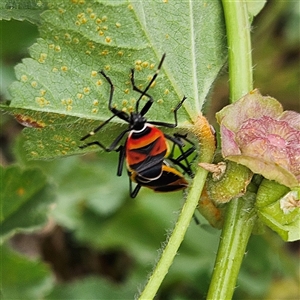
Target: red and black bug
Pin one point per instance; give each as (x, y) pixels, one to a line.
(169, 179)
(146, 147)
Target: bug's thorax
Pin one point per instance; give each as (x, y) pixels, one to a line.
(146, 147)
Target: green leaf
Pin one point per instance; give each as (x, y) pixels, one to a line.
(254, 7)
(22, 10)
(92, 186)
(91, 288)
(25, 198)
(270, 211)
(86, 182)
(269, 192)
(80, 38)
(22, 278)
(83, 183)
(287, 226)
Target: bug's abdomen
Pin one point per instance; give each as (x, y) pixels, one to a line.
(145, 152)
(170, 180)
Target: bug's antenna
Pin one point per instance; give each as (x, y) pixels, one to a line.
(144, 92)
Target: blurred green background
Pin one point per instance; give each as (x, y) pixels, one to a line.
(100, 244)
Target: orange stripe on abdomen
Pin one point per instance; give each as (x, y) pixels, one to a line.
(143, 145)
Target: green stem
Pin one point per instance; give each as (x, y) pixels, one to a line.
(176, 238)
(207, 140)
(237, 226)
(239, 48)
(239, 221)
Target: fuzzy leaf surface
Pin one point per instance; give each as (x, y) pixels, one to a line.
(61, 80)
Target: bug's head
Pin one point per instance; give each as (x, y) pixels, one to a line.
(137, 121)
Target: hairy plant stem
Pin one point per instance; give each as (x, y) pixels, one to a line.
(175, 238)
(240, 216)
(206, 138)
(239, 48)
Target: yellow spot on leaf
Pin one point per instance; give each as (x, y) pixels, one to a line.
(67, 36)
(86, 90)
(104, 52)
(42, 58)
(24, 78)
(34, 84)
(107, 39)
(94, 73)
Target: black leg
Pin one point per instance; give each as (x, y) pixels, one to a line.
(177, 141)
(113, 145)
(170, 125)
(97, 129)
(121, 151)
(97, 143)
(133, 192)
(188, 152)
(116, 113)
(112, 88)
(119, 113)
(136, 190)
